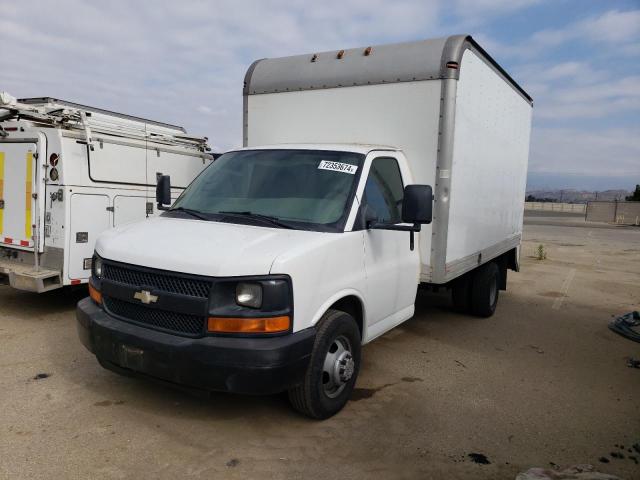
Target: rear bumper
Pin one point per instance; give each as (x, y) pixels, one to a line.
(230, 364)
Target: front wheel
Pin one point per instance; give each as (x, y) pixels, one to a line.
(333, 367)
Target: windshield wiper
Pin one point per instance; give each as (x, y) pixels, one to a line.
(190, 211)
(264, 218)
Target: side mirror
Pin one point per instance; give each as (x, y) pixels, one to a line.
(163, 192)
(417, 204)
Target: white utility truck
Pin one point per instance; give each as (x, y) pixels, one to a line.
(282, 258)
(67, 173)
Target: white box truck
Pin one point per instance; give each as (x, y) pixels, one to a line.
(365, 173)
(67, 173)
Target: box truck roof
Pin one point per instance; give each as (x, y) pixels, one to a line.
(400, 62)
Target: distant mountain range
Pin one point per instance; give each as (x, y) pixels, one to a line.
(575, 196)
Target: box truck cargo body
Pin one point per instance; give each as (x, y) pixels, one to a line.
(67, 173)
(365, 174)
(461, 121)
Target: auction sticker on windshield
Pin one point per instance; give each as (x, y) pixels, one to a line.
(337, 167)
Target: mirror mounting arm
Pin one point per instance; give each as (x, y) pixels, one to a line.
(412, 229)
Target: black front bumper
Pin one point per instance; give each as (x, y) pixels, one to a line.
(231, 364)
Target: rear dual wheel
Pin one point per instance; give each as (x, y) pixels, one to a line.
(477, 292)
(333, 367)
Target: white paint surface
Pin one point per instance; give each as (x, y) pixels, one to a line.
(401, 115)
(490, 156)
(88, 214)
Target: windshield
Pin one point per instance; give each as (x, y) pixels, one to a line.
(306, 189)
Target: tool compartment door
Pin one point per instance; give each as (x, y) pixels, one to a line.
(17, 207)
(127, 209)
(89, 218)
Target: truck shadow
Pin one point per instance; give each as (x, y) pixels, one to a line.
(146, 395)
(142, 397)
(34, 305)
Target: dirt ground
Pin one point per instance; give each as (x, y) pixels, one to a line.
(541, 383)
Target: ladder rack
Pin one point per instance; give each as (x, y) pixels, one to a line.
(56, 113)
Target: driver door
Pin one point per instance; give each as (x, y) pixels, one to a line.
(392, 268)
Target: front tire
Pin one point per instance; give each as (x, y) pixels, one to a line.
(333, 367)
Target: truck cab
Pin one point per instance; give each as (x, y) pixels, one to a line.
(268, 242)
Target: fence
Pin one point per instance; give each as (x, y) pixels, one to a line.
(625, 213)
(556, 207)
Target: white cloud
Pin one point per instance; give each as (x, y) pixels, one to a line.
(613, 26)
(612, 97)
(620, 29)
(466, 8)
(610, 152)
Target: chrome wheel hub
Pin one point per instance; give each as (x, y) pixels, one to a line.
(338, 368)
(345, 367)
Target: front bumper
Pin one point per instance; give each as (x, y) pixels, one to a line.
(231, 364)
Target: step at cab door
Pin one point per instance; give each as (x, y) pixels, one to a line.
(17, 206)
(89, 218)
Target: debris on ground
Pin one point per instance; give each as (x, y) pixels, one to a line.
(479, 458)
(40, 376)
(575, 472)
(632, 362)
(536, 348)
(627, 325)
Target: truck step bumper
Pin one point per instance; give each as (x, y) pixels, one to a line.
(23, 276)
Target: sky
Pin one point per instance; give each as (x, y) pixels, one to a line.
(184, 63)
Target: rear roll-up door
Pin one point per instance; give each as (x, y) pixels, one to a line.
(16, 189)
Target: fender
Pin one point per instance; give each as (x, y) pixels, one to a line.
(348, 292)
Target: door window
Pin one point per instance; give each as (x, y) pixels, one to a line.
(383, 191)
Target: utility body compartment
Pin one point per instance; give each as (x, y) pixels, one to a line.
(68, 172)
(461, 120)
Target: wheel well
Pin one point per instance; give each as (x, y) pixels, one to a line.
(351, 305)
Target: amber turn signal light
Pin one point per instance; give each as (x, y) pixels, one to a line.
(95, 294)
(248, 325)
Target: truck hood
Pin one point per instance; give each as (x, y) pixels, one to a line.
(201, 247)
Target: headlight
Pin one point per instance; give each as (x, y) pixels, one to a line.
(249, 295)
(97, 266)
(251, 306)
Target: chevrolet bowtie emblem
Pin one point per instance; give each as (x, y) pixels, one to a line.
(145, 297)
